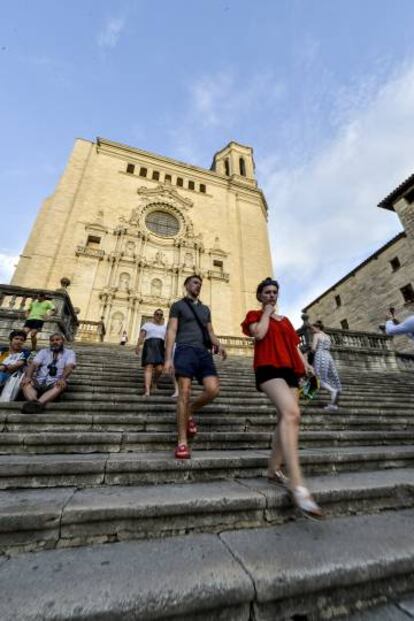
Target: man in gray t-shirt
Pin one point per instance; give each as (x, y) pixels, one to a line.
(191, 330)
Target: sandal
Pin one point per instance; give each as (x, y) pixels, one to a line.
(277, 477)
(182, 452)
(191, 428)
(305, 503)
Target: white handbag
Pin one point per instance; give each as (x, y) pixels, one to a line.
(11, 387)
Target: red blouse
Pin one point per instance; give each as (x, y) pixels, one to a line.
(278, 348)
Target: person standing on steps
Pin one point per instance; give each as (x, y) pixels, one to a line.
(39, 310)
(190, 328)
(324, 365)
(278, 365)
(124, 338)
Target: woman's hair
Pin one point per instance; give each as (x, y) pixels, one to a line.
(265, 283)
(319, 324)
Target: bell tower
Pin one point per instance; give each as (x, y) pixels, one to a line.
(236, 162)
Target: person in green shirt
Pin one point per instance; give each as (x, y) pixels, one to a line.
(39, 309)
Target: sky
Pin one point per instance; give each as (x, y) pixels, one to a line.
(323, 90)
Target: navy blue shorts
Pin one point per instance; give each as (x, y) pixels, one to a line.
(193, 362)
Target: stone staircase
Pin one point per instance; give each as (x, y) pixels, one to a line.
(98, 521)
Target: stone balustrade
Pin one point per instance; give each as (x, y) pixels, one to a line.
(237, 345)
(14, 303)
(91, 331)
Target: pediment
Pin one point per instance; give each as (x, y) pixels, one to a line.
(162, 193)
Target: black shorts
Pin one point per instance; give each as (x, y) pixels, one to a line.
(265, 373)
(42, 388)
(193, 362)
(34, 324)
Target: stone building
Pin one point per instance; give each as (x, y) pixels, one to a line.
(359, 300)
(126, 227)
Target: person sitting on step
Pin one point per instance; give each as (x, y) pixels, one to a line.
(13, 358)
(46, 376)
(278, 365)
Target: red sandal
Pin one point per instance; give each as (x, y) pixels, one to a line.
(182, 452)
(191, 428)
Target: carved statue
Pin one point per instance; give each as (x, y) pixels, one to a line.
(159, 258)
(124, 281)
(117, 323)
(156, 287)
(130, 249)
(188, 259)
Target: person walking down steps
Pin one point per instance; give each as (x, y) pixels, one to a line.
(324, 365)
(190, 328)
(278, 365)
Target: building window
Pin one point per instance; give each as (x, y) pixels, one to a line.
(344, 324)
(202, 188)
(180, 181)
(143, 172)
(409, 197)
(162, 223)
(338, 301)
(218, 264)
(408, 293)
(191, 185)
(130, 169)
(227, 166)
(155, 175)
(93, 241)
(168, 178)
(242, 167)
(395, 264)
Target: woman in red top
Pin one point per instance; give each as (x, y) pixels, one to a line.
(278, 365)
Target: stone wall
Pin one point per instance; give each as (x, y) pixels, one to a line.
(367, 292)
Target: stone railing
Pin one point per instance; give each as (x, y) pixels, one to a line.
(14, 303)
(91, 331)
(345, 339)
(359, 350)
(237, 345)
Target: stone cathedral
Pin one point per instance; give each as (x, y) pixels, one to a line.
(126, 227)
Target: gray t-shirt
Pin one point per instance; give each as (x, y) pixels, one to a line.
(188, 330)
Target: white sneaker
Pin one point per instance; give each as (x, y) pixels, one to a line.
(330, 408)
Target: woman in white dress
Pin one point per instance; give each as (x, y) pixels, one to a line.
(324, 365)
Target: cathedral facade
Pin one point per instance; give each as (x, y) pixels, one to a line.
(126, 227)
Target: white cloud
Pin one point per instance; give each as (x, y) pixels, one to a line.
(323, 215)
(223, 99)
(7, 265)
(109, 36)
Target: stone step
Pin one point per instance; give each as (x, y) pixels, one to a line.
(43, 519)
(12, 443)
(397, 608)
(34, 471)
(59, 420)
(235, 575)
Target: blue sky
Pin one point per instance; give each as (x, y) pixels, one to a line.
(322, 89)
